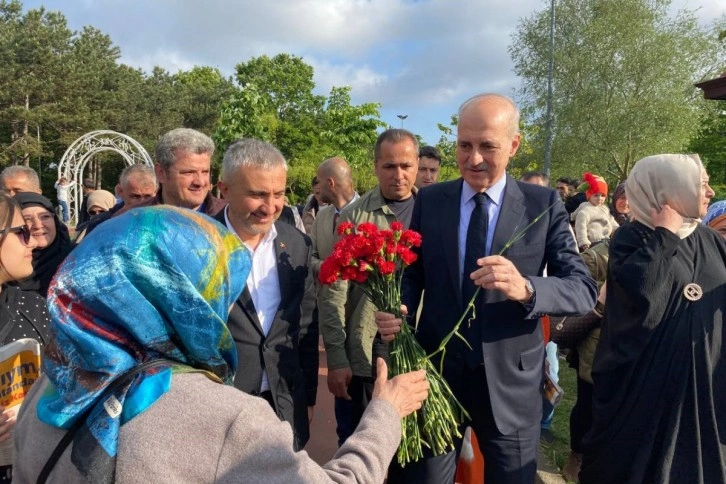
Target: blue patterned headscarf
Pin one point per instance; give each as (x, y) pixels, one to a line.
(156, 282)
(716, 213)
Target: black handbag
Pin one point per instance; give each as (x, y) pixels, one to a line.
(569, 331)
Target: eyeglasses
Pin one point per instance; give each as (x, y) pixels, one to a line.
(96, 211)
(22, 231)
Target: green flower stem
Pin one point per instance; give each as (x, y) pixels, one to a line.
(436, 424)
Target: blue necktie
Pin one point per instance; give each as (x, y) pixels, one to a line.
(476, 243)
(476, 246)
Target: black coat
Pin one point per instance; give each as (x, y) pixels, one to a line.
(659, 413)
(23, 314)
(289, 352)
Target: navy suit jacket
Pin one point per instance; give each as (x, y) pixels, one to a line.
(509, 334)
(289, 352)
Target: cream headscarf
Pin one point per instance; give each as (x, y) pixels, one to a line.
(674, 180)
(102, 199)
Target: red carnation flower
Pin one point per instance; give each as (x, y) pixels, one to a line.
(387, 267)
(345, 228)
(368, 228)
(408, 256)
(329, 272)
(411, 238)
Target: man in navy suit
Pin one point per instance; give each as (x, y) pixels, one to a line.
(499, 380)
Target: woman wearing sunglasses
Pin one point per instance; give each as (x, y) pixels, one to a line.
(51, 235)
(100, 201)
(22, 314)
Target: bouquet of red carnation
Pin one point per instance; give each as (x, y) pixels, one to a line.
(375, 259)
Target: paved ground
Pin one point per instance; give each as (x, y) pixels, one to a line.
(324, 442)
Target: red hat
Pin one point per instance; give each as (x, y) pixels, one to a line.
(594, 184)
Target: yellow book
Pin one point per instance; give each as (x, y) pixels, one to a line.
(19, 369)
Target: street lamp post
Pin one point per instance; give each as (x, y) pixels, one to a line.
(402, 117)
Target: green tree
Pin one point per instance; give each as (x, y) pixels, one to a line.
(276, 103)
(163, 104)
(34, 87)
(93, 69)
(347, 130)
(710, 142)
(285, 84)
(203, 90)
(246, 114)
(623, 81)
(285, 81)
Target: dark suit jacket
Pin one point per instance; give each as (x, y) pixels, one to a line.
(212, 205)
(510, 335)
(289, 352)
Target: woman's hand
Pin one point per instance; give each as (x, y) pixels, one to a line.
(7, 422)
(405, 392)
(667, 218)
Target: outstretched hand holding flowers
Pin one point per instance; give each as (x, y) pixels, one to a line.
(375, 259)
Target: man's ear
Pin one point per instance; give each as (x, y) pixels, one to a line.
(223, 188)
(160, 173)
(515, 145)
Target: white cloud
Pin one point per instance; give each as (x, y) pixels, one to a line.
(420, 57)
(362, 79)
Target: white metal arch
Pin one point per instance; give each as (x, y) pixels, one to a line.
(80, 152)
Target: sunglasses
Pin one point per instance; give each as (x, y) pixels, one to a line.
(96, 211)
(22, 231)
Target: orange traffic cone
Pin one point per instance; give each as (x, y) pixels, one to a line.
(470, 467)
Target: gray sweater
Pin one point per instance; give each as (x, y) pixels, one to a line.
(201, 431)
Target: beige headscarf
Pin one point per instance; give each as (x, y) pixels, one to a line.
(674, 180)
(102, 199)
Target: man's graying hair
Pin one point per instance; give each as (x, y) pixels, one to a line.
(181, 140)
(13, 171)
(138, 169)
(514, 126)
(251, 153)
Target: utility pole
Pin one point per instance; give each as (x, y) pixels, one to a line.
(550, 73)
(402, 117)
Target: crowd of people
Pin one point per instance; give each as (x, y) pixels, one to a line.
(181, 332)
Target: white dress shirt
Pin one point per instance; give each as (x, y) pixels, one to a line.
(263, 283)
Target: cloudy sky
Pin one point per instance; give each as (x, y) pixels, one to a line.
(419, 58)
